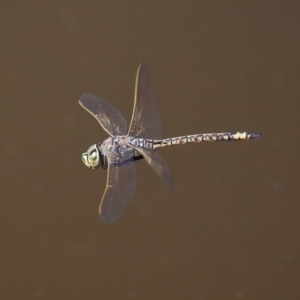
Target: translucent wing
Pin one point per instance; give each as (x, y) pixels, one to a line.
(112, 121)
(146, 123)
(157, 164)
(145, 120)
(120, 187)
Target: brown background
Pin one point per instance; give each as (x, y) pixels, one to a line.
(231, 228)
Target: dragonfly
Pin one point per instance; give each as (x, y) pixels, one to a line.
(143, 137)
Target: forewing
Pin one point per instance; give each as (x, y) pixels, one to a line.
(145, 121)
(157, 164)
(120, 188)
(112, 121)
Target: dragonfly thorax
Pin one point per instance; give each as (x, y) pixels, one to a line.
(116, 150)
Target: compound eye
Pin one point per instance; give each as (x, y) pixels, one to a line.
(93, 155)
(93, 160)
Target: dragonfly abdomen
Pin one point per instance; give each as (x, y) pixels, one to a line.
(204, 137)
(142, 143)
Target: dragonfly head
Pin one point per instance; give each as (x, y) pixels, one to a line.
(93, 157)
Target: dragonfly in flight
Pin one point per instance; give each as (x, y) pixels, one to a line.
(144, 136)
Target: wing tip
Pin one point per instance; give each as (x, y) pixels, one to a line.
(106, 219)
(82, 97)
(144, 64)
